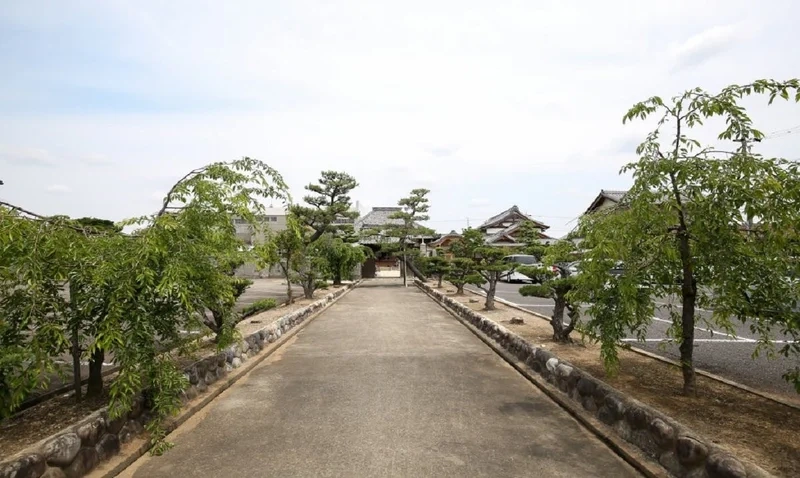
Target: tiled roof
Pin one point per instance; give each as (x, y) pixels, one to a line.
(379, 216)
(611, 195)
(509, 212)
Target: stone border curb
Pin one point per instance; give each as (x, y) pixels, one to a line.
(767, 395)
(78, 449)
(678, 449)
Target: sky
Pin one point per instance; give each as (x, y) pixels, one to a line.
(105, 104)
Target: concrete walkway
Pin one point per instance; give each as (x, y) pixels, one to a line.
(384, 383)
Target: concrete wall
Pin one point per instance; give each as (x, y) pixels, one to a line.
(679, 450)
(76, 450)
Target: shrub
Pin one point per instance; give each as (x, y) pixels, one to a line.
(259, 306)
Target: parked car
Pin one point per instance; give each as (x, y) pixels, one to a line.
(518, 260)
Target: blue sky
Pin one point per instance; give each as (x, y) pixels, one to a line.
(104, 104)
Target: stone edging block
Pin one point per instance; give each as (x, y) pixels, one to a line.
(79, 448)
(678, 449)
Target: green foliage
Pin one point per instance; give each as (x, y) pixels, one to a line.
(329, 201)
(283, 248)
(717, 228)
(341, 257)
(436, 267)
(259, 306)
(414, 210)
(556, 282)
(487, 261)
(462, 272)
(134, 294)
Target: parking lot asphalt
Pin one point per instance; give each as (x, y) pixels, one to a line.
(725, 353)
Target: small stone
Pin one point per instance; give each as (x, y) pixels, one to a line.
(637, 417)
(669, 460)
(190, 393)
(107, 447)
(27, 466)
(588, 404)
(616, 406)
(563, 370)
(228, 367)
(53, 472)
(237, 362)
(690, 451)
(517, 321)
(605, 415)
(191, 374)
(83, 463)
(91, 431)
(663, 434)
(201, 387)
(61, 450)
(474, 300)
(586, 386)
(115, 425)
(221, 371)
(211, 377)
(245, 357)
(725, 466)
(552, 364)
(237, 352)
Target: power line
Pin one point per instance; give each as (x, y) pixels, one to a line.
(783, 132)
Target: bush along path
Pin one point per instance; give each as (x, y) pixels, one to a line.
(679, 450)
(79, 448)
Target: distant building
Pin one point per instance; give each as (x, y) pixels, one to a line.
(378, 221)
(273, 219)
(503, 229)
(606, 199)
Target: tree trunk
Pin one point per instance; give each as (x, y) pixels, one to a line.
(76, 363)
(308, 288)
(405, 267)
(557, 320)
(440, 282)
(337, 277)
(490, 293)
(95, 386)
(289, 296)
(459, 289)
(688, 298)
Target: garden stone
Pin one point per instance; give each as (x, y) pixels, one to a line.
(663, 434)
(28, 466)
(115, 425)
(237, 362)
(725, 466)
(606, 416)
(517, 321)
(61, 450)
(211, 377)
(615, 405)
(552, 364)
(473, 300)
(237, 352)
(192, 376)
(107, 447)
(83, 463)
(91, 431)
(586, 386)
(690, 451)
(669, 460)
(53, 472)
(588, 404)
(245, 357)
(563, 370)
(191, 393)
(637, 417)
(202, 387)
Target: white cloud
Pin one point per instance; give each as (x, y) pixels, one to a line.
(706, 44)
(58, 189)
(519, 102)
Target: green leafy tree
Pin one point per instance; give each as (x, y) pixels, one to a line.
(715, 227)
(556, 281)
(486, 260)
(414, 210)
(462, 272)
(310, 269)
(149, 286)
(437, 267)
(283, 248)
(329, 200)
(341, 257)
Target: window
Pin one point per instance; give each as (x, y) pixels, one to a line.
(273, 219)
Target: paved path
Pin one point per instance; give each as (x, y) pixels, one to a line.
(384, 383)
